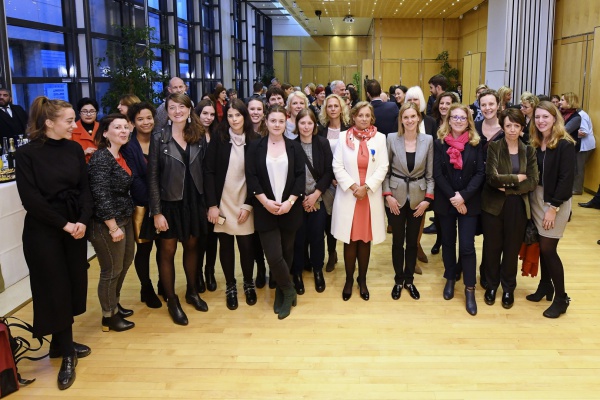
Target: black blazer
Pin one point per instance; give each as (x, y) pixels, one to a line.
(15, 125)
(386, 116)
(322, 162)
(558, 173)
(216, 164)
(133, 154)
(431, 125)
(322, 130)
(470, 182)
(257, 179)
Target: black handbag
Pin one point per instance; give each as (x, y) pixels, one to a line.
(531, 233)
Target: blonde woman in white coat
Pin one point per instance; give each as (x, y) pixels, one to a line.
(360, 164)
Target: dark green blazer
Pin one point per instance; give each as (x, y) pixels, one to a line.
(498, 174)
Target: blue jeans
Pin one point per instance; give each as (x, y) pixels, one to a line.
(313, 232)
(467, 226)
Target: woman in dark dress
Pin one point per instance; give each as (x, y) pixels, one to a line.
(136, 153)
(175, 185)
(53, 184)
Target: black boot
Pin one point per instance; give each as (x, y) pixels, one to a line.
(192, 298)
(211, 282)
(272, 283)
(200, 285)
(289, 299)
(333, 258)
(449, 289)
(278, 300)
(81, 350)
(231, 296)
(299, 283)
(559, 306)
(148, 296)
(125, 312)
(471, 304)
(261, 276)
(116, 323)
(66, 374)
(319, 281)
(544, 289)
(250, 293)
(176, 312)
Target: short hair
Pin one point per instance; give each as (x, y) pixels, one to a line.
(530, 98)
(303, 113)
(407, 105)
(491, 92)
(257, 87)
(274, 90)
(84, 102)
(285, 86)
(290, 98)
(514, 115)
(334, 84)
(137, 108)
(231, 91)
(440, 80)
(554, 96)
(319, 90)
(558, 129)
(571, 99)
(356, 109)
(416, 92)
(129, 99)
(543, 97)
(99, 140)
(7, 90)
(446, 130)
(374, 88)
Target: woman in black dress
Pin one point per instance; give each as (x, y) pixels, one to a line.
(53, 184)
(175, 186)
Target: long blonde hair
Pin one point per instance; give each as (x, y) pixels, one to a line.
(445, 129)
(344, 115)
(403, 109)
(558, 129)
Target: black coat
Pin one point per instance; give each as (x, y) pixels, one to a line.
(431, 125)
(386, 116)
(322, 162)
(257, 179)
(470, 183)
(322, 130)
(216, 164)
(10, 127)
(557, 174)
(133, 154)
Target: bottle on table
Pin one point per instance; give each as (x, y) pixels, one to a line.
(11, 154)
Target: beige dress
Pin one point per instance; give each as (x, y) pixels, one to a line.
(235, 191)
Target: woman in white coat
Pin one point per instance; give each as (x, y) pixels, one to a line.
(360, 164)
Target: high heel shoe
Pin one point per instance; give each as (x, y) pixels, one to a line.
(231, 297)
(250, 293)
(290, 299)
(125, 312)
(148, 296)
(363, 294)
(347, 291)
(559, 306)
(194, 299)
(116, 323)
(470, 302)
(176, 312)
(544, 289)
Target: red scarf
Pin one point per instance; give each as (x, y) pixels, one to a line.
(456, 148)
(567, 113)
(359, 134)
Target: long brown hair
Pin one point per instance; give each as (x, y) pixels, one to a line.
(193, 131)
(303, 113)
(558, 129)
(43, 109)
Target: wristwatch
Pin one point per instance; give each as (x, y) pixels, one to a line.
(557, 209)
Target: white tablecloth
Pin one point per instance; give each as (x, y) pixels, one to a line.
(12, 262)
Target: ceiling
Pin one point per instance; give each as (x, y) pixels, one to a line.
(331, 21)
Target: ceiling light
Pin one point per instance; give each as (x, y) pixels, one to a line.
(294, 4)
(349, 19)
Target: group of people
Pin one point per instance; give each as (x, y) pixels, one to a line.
(282, 175)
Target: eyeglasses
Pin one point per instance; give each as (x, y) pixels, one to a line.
(458, 118)
(87, 112)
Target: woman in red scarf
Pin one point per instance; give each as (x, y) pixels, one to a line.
(459, 173)
(360, 164)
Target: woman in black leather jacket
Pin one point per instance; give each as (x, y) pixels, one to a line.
(175, 185)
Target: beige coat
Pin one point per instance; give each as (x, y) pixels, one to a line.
(345, 168)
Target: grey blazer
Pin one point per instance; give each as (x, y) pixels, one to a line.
(422, 172)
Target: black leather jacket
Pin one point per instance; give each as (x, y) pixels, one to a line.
(166, 169)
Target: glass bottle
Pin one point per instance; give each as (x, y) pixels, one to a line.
(4, 152)
(11, 154)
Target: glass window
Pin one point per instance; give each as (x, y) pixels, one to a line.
(36, 53)
(182, 33)
(184, 70)
(99, 50)
(153, 4)
(154, 22)
(105, 16)
(47, 11)
(24, 94)
(182, 11)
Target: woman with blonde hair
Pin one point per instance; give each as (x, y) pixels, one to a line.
(505, 94)
(296, 101)
(528, 102)
(551, 202)
(459, 174)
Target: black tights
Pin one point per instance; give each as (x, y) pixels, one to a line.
(227, 256)
(142, 262)
(353, 251)
(64, 341)
(166, 265)
(551, 266)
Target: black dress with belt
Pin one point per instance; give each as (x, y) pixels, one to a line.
(53, 184)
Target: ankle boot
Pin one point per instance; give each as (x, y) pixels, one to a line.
(544, 289)
(278, 300)
(116, 323)
(148, 296)
(299, 283)
(289, 299)
(211, 282)
(250, 293)
(176, 312)
(124, 311)
(191, 297)
(333, 258)
(471, 303)
(66, 374)
(261, 276)
(559, 306)
(231, 296)
(200, 284)
(449, 289)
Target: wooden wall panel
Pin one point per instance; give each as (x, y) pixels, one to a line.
(410, 73)
(433, 28)
(335, 73)
(286, 43)
(315, 58)
(308, 75)
(322, 75)
(433, 46)
(475, 76)
(343, 58)
(294, 68)
(279, 64)
(571, 68)
(466, 80)
(580, 16)
(390, 71)
(317, 43)
(592, 171)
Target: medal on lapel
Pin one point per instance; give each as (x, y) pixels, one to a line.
(373, 155)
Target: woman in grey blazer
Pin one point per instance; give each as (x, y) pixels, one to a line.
(408, 189)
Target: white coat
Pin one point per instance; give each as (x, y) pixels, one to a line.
(345, 168)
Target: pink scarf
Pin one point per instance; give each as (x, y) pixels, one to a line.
(360, 134)
(456, 147)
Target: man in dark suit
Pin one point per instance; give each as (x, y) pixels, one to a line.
(386, 113)
(437, 85)
(13, 118)
(258, 93)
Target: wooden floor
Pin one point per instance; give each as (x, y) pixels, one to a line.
(331, 349)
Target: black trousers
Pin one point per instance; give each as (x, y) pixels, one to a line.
(467, 226)
(405, 227)
(502, 238)
(227, 256)
(278, 245)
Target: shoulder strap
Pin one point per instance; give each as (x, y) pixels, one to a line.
(314, 173)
